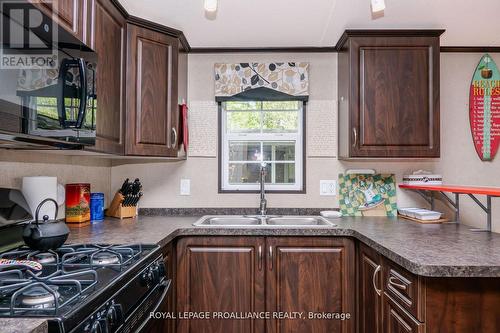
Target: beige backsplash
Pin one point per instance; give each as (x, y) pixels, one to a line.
(14, 165)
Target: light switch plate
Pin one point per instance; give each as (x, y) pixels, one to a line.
(185, 186)
(328, 187)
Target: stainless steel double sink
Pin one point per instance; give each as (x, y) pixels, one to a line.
(262, 221)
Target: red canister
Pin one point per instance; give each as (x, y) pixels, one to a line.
(77, 203)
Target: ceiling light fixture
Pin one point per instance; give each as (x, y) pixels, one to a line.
(211, 5)
(377, 5)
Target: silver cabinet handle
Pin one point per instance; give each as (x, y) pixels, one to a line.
(392, 282)
(355, 133)
(374, 278)
(271, 255)
(174, 137)
(260, 257)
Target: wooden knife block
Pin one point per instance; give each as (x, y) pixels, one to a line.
(117, 210)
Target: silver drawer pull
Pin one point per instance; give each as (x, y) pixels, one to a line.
(378, 291)
(398, 285)
(355, 133)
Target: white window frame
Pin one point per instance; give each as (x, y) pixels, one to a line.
(259, 137)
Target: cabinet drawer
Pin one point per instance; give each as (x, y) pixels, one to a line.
(405, 288)
(397, 320)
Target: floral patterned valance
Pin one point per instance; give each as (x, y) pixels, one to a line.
(287, 77)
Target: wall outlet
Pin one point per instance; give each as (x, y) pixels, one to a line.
(328, 187)
(185, 186)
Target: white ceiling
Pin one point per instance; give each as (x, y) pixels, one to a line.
(282, 23)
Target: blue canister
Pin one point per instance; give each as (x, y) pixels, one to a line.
(97, 206)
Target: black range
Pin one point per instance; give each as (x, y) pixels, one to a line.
(85, 287)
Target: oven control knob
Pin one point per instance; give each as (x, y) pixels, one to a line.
(147, 277)
(162, 271)
(111, 317)
(155, 273)
(114, 317)
(97, 327)
(159, 272)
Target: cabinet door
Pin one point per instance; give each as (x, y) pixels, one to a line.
(370, 290)
(151, 93)
(396, 320)
(396, 113)
(310, 275)
(108, 40)
(219, 274)
(69, 14)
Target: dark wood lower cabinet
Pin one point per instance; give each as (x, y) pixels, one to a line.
(462, 305)
(369, 290)
(312, 276)
(396, 320)
(220, 274)
(281, 276)
(411, 303)
(304, 279)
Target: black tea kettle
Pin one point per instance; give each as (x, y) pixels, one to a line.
(45, 235)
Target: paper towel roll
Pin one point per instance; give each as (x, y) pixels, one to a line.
(37, 189)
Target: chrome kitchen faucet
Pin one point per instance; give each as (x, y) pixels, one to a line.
(263, 200)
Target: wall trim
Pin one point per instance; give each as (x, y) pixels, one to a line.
(470, 49)
(291, 49)
(217, 50)
(160, 28)
(386, 33)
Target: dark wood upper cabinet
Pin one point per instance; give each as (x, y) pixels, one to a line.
(220, 274)
(108, 39)
(307, 274)
(369, 290)
(388, 90)
(152, 93)
(69, 14)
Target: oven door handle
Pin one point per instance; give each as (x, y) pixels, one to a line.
(166, 284)
(82, 68)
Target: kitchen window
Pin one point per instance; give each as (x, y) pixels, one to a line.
(253, 132)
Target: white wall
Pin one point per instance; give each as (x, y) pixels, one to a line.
(459, 162)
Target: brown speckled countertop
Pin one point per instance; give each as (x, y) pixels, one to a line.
(447, 250)
(28, 325)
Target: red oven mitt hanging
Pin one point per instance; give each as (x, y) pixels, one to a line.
(184, 126)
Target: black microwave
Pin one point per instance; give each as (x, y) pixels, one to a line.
(52, 103)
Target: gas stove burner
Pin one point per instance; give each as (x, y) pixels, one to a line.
(105, 258)
(39, 297)
(45, 258)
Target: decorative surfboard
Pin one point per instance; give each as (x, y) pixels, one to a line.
(484, 108)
